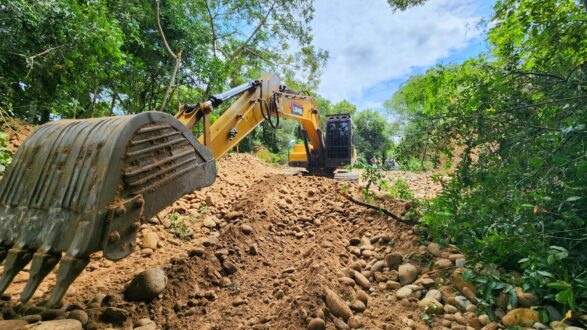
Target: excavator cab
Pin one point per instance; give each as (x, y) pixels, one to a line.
(337, 147)
(339, 140)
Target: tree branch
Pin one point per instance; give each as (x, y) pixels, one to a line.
(177, 58)
(211, 27)
(374, 207)
(161, 31)
(261, 23)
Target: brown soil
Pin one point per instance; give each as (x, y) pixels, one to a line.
(17, 131)
(301, 229)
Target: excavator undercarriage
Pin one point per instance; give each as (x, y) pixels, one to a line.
(76, 187)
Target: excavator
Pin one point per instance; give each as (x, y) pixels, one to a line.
(76, 187)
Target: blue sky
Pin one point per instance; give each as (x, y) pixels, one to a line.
(374, 50)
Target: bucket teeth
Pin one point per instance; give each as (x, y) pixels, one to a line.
(69, 270)
(42, 264)
(16, 259)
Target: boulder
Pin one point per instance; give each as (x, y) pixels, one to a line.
(146, 285)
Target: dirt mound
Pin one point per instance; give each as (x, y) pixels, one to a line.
(258, 249)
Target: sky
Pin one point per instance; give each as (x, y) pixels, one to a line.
(373, 50)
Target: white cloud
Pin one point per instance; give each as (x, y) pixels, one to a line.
(370, 44)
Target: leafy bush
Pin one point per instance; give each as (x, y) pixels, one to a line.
(268, 157)
(400, 190)
(518, 196)
(5, 154)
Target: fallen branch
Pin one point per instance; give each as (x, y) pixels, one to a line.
(374, 207)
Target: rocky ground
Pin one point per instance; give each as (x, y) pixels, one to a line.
(261, 249)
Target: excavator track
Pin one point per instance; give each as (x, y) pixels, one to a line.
(81, 186)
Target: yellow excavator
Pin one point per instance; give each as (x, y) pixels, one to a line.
(76, 187)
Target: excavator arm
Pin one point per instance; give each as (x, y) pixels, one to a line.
(76, 187)
(261, 100)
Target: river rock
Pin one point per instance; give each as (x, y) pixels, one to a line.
(404, 292)
(150, 240)
(355, 323)
(435, 249)
(146, 285)
(246, 229)
(79, 315)
(209, 223)
(407, 273)
(525, 317)
(526, 299)
(450, 309)
(358, 306)
(233, 215)
(362, 280)
(378, 266)
(346, 281)
(57, 325)
(393, 260)
(462, 302)
(430, 305)
(491, 326)
(467, 288)
(339, 324)
(337, 306)
(317, 324)
(435, 294)
(363, 296)
(442, 263)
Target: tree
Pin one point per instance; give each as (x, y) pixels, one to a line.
(372, 134)
(344, 106)
(405, 4)
(518, 119)
(77, 59)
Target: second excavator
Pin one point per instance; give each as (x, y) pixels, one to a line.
(76, 187)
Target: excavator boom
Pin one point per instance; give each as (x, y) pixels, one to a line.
(76, 187)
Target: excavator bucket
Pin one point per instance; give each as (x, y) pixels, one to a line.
(76, 187)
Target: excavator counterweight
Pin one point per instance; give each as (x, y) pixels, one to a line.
(76, 187)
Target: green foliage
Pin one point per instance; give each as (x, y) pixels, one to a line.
(5, 154)
(517, 120)
(269, 157)
(374, 176)
(405, 4)
(373, 134)
(178, 226)
(343, 106)
(400, 190)
(79, 59)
